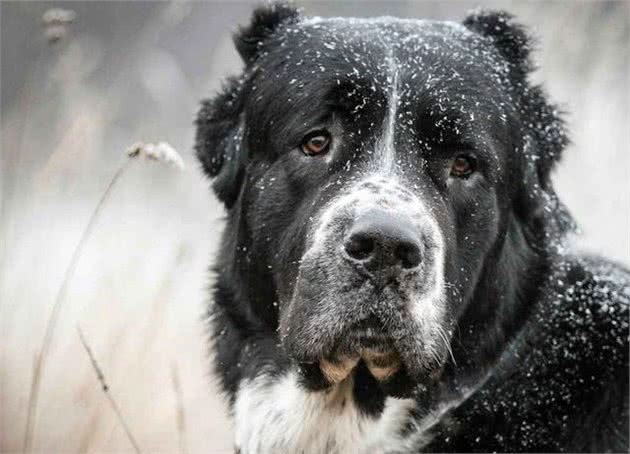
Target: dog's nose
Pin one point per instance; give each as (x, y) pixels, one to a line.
(380, 241)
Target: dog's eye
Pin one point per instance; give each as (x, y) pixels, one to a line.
(316, 143)
(463, 166)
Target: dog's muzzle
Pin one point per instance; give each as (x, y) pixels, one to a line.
(369, 287)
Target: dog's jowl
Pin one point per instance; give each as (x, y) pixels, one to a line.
(394, 275)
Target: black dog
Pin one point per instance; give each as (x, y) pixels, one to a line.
(393, 276)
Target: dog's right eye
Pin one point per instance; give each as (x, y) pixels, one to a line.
(463, 166)
(316, 143)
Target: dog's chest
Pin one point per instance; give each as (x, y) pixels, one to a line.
(277, 415)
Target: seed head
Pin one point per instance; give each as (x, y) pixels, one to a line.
(162, 151)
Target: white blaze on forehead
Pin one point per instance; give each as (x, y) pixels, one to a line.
(387, 143)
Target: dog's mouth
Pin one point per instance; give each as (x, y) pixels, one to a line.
(368, 342)
(338, 325)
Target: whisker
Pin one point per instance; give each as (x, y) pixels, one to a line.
(447, 343)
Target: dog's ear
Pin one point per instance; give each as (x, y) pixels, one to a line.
(219, 140)
(544, 138)
(220, 144)
(509, 37)
(265, 21)
(544, 134)
(541, 119)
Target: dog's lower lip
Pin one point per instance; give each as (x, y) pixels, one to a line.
(373, 339)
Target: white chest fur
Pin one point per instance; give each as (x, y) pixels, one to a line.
(276, 415)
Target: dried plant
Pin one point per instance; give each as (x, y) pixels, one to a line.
(181, 415)
(162, 152)
(55, 22)
(105, 387)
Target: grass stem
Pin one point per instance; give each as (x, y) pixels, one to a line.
(42, 356)
(105, 387)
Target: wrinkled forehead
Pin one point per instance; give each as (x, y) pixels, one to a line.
(380, 46)
(441, 66)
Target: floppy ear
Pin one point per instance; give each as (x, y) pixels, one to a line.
(220, 145)
(219, 140)
(543, 129)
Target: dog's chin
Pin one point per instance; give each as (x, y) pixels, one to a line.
(382, 364)
(368, 352)
(367, 344)
(398, 383)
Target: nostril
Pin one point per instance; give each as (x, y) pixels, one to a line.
(408, 254)
(359, 246)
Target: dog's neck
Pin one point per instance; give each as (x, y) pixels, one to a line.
(275, 414)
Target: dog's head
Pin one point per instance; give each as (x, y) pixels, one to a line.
(371, 167)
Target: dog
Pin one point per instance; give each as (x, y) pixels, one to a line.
(394, 274)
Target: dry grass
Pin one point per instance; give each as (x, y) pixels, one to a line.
(39, 368)
(105, 387)
(181, 412)
(162, 152)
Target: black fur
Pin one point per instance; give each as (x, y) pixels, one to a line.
(546, 330)
(250, 40)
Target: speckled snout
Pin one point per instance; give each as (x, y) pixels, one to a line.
(376, 254)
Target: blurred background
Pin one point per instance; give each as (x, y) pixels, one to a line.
(78, 90)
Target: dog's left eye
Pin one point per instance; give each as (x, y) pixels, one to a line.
(316, 143)
(462, 166)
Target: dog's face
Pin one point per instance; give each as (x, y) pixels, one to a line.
(370, 183)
